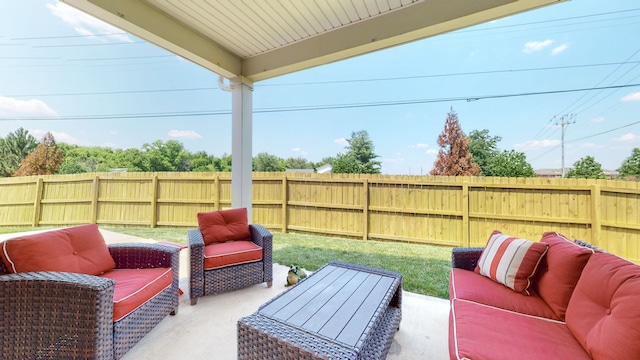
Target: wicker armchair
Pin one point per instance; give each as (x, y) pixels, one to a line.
(62, 315)
(234, 276)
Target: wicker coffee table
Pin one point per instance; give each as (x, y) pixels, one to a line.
(342, 311)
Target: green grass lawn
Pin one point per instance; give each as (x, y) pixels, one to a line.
(425, 268)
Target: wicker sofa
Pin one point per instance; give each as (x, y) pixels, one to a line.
(65, 294)
(582, 304)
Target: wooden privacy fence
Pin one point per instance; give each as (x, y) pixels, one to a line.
(452, 211)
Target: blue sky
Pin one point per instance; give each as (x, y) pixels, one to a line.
(53, 72)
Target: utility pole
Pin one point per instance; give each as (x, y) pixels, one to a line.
(564, 121)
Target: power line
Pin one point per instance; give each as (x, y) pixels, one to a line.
(321, 82)
(316, 107)
(484, 72)
(603, 132)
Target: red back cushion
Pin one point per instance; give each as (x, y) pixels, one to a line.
(224, 225)
(559, 271)
(79, 249)
(604, 310)
(511, 261)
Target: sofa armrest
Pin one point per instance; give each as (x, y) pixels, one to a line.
(143, 255)
(465, 258)
(263, 238)
(56, 315)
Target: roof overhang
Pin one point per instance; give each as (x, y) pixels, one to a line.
(261, 39)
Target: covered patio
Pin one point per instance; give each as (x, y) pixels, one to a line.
(245, 42)
(208, 329)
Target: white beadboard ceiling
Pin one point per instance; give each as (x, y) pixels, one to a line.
(260, 39)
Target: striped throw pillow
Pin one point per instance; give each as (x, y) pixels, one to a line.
(511, 261)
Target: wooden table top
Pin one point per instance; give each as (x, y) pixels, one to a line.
(337, 302)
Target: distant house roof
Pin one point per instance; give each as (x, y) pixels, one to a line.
(558, 172)
(324, 169)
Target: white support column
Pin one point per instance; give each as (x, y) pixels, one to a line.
(241, 143)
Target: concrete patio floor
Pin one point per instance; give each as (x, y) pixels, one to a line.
(208, 329)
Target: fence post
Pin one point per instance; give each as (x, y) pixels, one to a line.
(596, 215)
(285, 200)
(365, 208)
(154, 201)
(216, 185)
(37, 202)
(465, 215)
(94, 200)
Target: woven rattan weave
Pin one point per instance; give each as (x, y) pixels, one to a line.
(342, 311)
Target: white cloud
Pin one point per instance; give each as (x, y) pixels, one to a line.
(536, 144)
(341, 141)
(184, 134)
(85, 24)
(419, 145)
(431, 151)
(628, 137)
(558, 49)
(58, 136)
(23, 108)
(598, 119)
(110, 145)
(534, 46)
(632, 97)
(399, 159)
(299, 150)
(592, 145)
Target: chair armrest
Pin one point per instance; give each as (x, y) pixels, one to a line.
(56, 315)
(263, 238)
(465, 258)
(144, 255)
(196, 258)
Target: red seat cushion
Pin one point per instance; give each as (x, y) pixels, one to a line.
(467, 285)
(224, 225)
(79, 249)
(218, 255)
(604, 310)
(559, 271)
(135, 286)
(479, 331)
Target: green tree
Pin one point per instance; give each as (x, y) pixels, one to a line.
(134, 160)
(631, 165)
(454, 157)
(266, 162)
(298, 163)
(347, 164)
(587, 168)
(14, 149)
(167, 156)
(361, 149)
(82, 159)
(223, 163)
(44, 160)
(483, 148)
(510, 164)
(201, 161)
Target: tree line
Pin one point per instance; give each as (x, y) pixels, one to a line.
(478, 154)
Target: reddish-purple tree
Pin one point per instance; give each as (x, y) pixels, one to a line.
(454, 157)
(44, 160)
